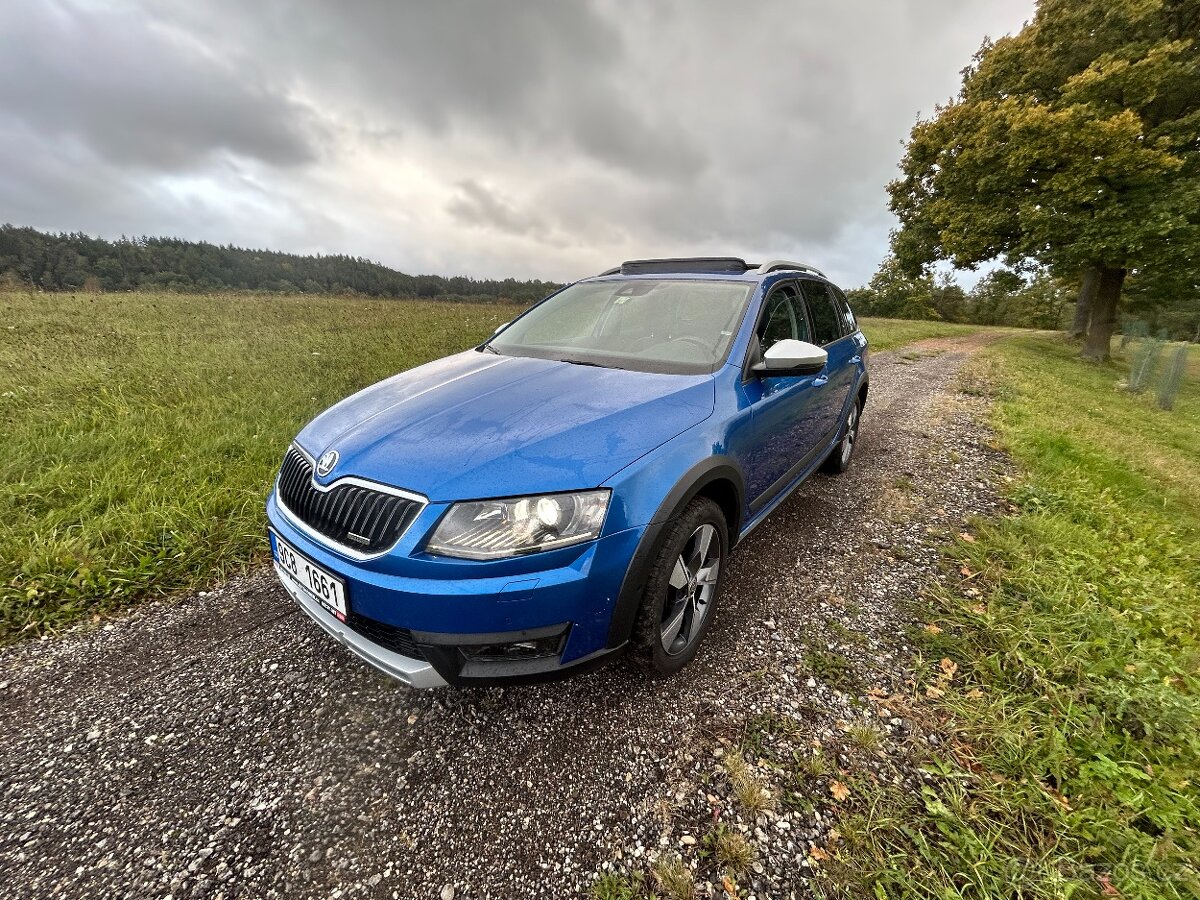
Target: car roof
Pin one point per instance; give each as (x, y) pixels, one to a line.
(705, 267)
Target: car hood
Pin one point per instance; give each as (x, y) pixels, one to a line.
(479, 425)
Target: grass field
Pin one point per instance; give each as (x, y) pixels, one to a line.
(1075, 768)
(887, 334)
(141, 431)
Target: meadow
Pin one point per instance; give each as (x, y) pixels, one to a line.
(141, 431)
(1075, 626)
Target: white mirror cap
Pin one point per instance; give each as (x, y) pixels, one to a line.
(500, 328)
(792, 354)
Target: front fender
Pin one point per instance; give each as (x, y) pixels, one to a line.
(655, 491)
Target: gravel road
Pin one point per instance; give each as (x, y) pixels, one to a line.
(221, 746)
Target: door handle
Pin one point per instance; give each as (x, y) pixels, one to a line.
(855, 360)
(820, 380)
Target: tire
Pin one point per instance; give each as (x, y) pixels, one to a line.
(840, 457)
(683, 582)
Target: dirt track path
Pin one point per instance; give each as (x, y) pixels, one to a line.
(222, 746)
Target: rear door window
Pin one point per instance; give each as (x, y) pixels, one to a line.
(826, 320)
(849, 323)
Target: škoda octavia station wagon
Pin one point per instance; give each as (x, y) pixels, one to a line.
(571, 488)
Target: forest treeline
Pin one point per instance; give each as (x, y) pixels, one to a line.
(66, 262)
(1033, 298)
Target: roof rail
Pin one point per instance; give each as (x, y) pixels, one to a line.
(695, 264)
(731, 265)
(776, 265)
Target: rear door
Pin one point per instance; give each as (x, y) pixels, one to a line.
(785, 410)
(832, 388)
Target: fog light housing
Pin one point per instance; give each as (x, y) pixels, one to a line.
(465, 658)
(535, 648)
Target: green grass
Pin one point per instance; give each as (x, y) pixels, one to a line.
(674, 878)
(141, 432)
(730, 849)
(613, 886)
(1076, 706)
(886, 334)
(833, 668)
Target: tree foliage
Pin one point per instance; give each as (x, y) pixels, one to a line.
(1002, 297)
(894, 294)
(1074, 143)
(1177, 317)
(60, 262)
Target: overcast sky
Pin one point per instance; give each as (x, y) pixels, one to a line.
(537, 139)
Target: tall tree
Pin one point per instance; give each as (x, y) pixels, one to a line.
(1074, 143)
(895, 294)
(1088, 286)
(948, 298)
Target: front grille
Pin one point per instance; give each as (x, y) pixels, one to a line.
(359, 518)
(389, 637)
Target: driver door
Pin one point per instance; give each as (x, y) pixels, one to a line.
(784, 408)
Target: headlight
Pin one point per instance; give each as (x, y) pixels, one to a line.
(490, 529)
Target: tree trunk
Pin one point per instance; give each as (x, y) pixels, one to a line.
(1104, 315)
(1083, 306)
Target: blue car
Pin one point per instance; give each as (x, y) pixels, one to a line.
(570, 489)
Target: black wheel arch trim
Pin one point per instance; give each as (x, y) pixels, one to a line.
(693, 482)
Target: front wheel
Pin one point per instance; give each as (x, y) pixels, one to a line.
(839, 460)
(681, 590)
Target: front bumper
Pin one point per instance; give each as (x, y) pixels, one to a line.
(413, 672)
(449, 610)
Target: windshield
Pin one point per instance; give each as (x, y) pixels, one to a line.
(649, 325)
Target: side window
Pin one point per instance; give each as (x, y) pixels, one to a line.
(850, 324)
(826, 320)
(782, 318)
(778, 321)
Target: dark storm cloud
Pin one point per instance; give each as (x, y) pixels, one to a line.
(477, 205)
(608, 127)
(438, 62)
(535, 75)
(139, 95)
(532, 138)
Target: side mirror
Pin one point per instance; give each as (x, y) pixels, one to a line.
(500, 328)
(791, 357)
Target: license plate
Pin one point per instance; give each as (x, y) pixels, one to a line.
(320, 584)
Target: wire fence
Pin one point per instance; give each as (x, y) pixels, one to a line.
(1172, 378)
(1144, 364)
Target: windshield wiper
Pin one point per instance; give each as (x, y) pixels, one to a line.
(485, 347)
(580, 362)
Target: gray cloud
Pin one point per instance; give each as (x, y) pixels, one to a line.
(476, 205)
(534, 138)
(137, 94)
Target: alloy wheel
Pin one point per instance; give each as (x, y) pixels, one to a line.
(690, 589)
(851, 435)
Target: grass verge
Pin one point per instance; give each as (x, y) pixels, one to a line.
(1073, 765)
(887, 334)
(141, 431)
